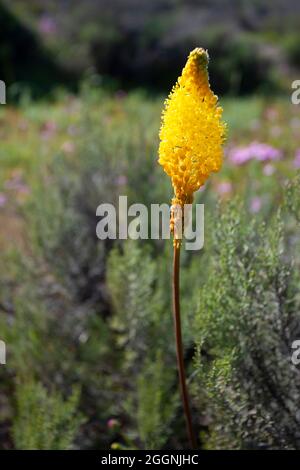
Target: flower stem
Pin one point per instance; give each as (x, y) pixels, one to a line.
(179, 348)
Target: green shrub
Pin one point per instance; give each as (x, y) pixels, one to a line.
(247, 319)
(143, 324)
(156, 403)
(45, 421)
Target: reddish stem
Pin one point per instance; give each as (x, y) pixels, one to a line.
(179, 348)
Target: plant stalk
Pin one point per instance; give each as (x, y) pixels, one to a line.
(179, 348)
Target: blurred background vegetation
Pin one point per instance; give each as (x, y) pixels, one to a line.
(87, 323)
(132, 43)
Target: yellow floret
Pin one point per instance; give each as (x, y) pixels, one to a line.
(192, 132)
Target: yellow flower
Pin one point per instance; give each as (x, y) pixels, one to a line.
(192, 132)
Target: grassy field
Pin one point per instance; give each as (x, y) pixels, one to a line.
(88, 324)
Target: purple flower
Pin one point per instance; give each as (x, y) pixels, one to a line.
(16, 184)
(113, 423)
(296, 162)
(239, 155)
(255, 151)
(265, 152)
(255, 205)
(268, 169)
(47, 25)
(224, 187)
(121, 180)
(3, 199)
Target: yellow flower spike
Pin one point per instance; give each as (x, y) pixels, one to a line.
(192, 133)
(191, 138)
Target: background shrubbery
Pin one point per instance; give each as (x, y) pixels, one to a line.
(139, 43)
(88, 323)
